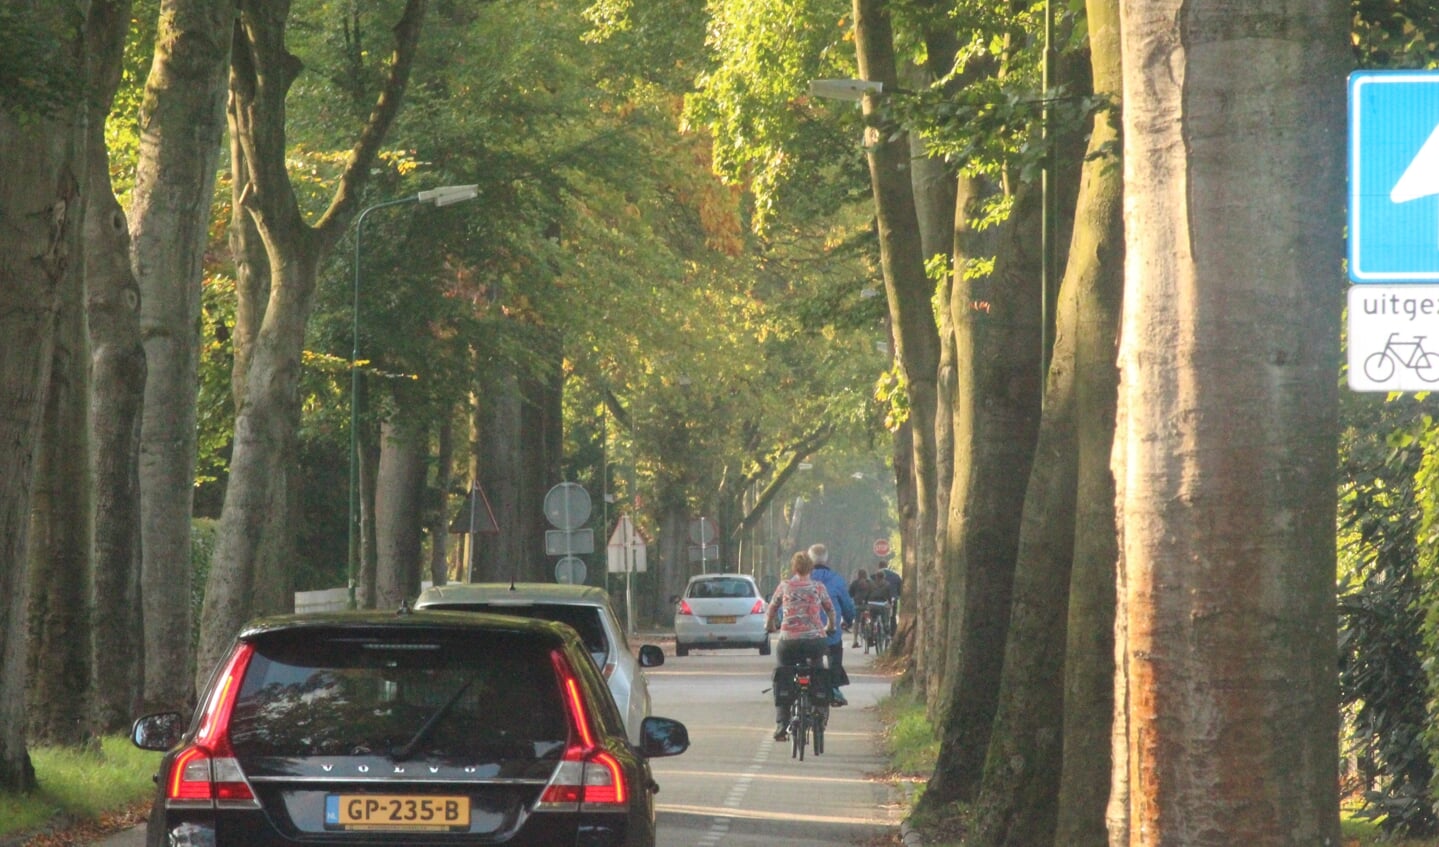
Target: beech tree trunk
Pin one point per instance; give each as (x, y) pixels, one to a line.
(1019, 800)
(1234, 179)
(61, 525)
(909, 292)
(997, 332)
(1096, 268)
(117, 373)
(267, 378)
(182, 123)
(399, 526)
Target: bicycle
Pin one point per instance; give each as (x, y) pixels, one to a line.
(808, 708)
(1380, 366)
(875, 627)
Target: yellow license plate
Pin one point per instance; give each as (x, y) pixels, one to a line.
(721, 618)
(397, 811)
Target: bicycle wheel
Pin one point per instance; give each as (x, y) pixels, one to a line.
(798, 737)
(1427, 367)
(1379, 367)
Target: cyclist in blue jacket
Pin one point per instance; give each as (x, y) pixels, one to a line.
(844, 607)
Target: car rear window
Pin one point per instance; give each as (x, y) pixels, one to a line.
(721, 587)
(583, 619)
(346, 695)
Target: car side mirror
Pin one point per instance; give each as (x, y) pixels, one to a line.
(158, 732)
(651, 656)
(661, 737)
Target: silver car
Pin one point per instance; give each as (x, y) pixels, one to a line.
(720, 610)
(587, 610)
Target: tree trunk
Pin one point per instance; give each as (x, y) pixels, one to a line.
(519, 444)
(40, 265)
(997, 331)
(1019, 800)
(117, 364)
(399, 497)
(1233, 127)
(182, 122)
(440, 515)
(82, 614)
(265, 418)
(61, 527)
(909, 292)
(1096, 265)
(513, 554)
(367, 458)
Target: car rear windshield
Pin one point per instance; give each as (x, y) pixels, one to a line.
(721, 587)
(403, 696)
(583, 619)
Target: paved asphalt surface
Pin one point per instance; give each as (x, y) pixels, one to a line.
(736, 786)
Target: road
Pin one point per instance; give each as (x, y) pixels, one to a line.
(736, 786)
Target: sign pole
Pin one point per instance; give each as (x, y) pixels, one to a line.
(629, 586)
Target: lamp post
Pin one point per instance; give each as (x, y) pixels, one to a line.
(442, 196)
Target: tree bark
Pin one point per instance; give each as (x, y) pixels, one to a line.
(1234, 137)
(40, 265)
(520, 432)
(440, 514)
(182, 123)
(1096, 265)
(262, 72)
(399, 496)
(997, 332)
(117, 373)
(909, 292)
(61, 525)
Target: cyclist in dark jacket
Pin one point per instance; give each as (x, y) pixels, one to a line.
(844, 608)
(859, 593)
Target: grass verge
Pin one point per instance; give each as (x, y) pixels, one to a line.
(92, 791)
(913, 748)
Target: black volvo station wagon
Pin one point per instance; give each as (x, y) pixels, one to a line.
(409, 728)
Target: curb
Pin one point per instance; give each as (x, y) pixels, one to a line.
(909, 836)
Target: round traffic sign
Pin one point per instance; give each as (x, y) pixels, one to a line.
(702, 531)
(570, 570)
(881, 547)
(567, 505)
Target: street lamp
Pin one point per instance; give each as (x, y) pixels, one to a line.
(443, 196)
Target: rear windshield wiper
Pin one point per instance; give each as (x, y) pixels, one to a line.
(413, 744)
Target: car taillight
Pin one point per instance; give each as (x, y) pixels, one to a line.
(757, 608)
(589, 777)
(684, 608)
(207, 769)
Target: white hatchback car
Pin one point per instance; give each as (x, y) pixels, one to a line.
(720, 610)
(587, 610)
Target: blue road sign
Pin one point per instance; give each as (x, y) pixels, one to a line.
(1394, 176)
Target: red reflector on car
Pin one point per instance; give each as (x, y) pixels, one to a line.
(588, 776)
(684, 608)
(208, 770)
(757, 608)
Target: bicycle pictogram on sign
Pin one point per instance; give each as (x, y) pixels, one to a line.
(1411, 355)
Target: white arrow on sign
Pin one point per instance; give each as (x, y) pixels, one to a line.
(1421, 178)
